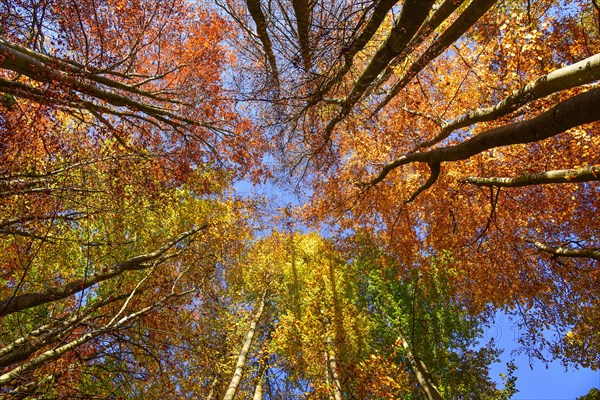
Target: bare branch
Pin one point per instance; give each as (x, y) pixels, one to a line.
(435, 173)
(258, 16)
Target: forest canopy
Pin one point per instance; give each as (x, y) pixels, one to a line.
(415, 168)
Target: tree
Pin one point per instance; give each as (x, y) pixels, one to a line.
(591, 395)
(321, 332)
(449, 149)
(480, 114)
(420, 325)
(117, 154)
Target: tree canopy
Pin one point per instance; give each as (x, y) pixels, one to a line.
(439, 159)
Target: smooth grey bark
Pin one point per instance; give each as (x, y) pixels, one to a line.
(377, 16)
(585, 174)
(572, 253)
(441, 13)
(577, 110)
(29, 300)
(243, 355)
(332, 370)
(580, 73)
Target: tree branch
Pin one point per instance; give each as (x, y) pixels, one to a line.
(586, 174)
(465, 20)
(578, 110)
(564, 252)
(29, 300)
(581, 73)
(435, 173)
(57, 352)
(413, 14)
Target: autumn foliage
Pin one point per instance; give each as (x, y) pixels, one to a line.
(437, 163)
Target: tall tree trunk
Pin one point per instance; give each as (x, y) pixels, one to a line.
(258, 389)
(332, 370)
(241, 361)
(213, 385)
(262, 368)
(420, 370)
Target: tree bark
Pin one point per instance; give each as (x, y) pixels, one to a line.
(581, 73)
(586, 174)
(577, 110)
(303, 12)
(332, 370)
(23, 347)
(258, 388)
(29, 300)
(42, 68)
(441, 13)
(260, 21)
(573, 253)
(420, 370)
(243, 355)
(213, 385)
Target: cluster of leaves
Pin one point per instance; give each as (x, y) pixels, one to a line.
(321, 326)
(461, 126)
(451, 147)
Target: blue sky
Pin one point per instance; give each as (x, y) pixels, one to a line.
(539, 383)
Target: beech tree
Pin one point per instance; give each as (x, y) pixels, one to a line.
(449, 149)
(461, 126)
(116, 158)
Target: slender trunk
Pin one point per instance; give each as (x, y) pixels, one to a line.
(332, 370)
(241, 361)
(213, 385)
(420, 370)
(258, 389)
(263, 365)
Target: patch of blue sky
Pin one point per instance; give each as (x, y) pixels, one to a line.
(536, 380)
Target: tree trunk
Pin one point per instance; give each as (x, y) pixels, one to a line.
(420, 370)
(258, 389)
(332, 370)
(241, 361)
